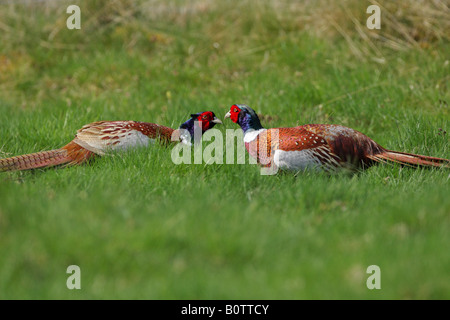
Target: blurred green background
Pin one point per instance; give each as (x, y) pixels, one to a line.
(141, 227)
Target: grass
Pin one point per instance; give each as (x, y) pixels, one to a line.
(141, 227)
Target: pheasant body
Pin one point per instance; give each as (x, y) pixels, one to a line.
(103, 137)
(313, 146)
(317, 146)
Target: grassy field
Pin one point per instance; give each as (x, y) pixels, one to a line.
(140, 227)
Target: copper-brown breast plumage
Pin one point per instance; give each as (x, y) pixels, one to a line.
(285, 139)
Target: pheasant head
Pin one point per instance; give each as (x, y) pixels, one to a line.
(244, 116)
(201, 121)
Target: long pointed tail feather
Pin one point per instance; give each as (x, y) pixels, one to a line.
(410, 159)
(70, 154)
(35, 160)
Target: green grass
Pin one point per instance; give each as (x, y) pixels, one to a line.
(141, 227)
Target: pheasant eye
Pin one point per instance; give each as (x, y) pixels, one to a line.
(205, 117)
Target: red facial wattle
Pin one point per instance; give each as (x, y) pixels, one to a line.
(234, 113)
(205, 119)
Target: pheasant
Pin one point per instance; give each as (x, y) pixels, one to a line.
(324, 147)
(100, 138)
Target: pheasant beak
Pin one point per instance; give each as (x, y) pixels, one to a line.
(216, 120)
(227, 115)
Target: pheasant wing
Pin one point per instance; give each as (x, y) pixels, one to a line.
(105, 136)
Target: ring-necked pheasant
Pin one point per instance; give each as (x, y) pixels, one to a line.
(319, 146)
(102, 137)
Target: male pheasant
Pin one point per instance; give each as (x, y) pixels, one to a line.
(324, 147)
(102, 137)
